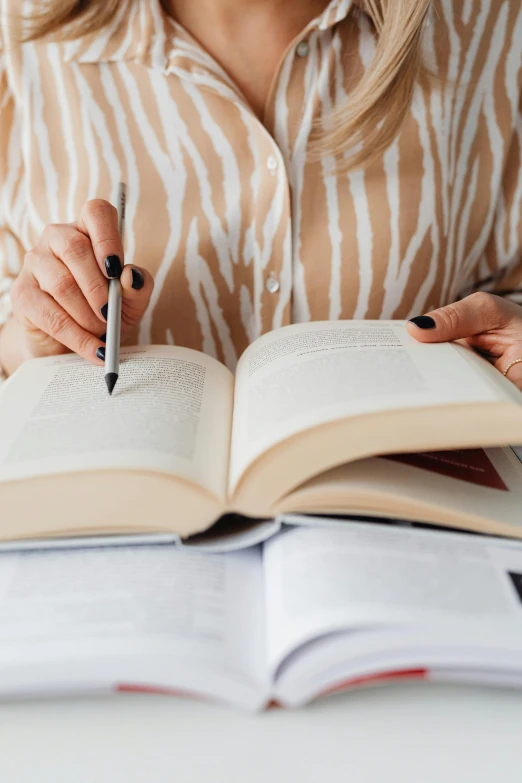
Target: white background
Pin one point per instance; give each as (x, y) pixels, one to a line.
(408, 733)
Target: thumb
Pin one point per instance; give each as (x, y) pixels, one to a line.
(137, 285)
(474, 315)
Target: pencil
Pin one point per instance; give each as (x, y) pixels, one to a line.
(112, 345)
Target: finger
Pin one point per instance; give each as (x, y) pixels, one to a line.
(74, 249)
(474, 315)
(55, 278)
(37, 309)
(38, 343)
(137, 286)
(99, 221)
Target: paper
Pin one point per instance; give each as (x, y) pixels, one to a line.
(319, 581)
(192, 612)
(309, 374)
(171, 411)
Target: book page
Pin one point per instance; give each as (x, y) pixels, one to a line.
(146, 615)
(368, 576)
(170, 412)
(468, 487)
(308, 374)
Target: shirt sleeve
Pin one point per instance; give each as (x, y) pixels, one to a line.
(499, 270)
(11, 184)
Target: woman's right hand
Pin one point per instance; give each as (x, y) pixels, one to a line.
(60, 297)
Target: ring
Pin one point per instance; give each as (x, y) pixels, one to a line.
(510, 365)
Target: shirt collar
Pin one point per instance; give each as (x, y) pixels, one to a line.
(143, 32)
(139, 32)
(335, 12)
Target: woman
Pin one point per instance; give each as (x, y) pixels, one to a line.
(285, 161)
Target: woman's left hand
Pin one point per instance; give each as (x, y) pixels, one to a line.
(490, 324)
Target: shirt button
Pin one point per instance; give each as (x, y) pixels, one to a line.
(272, 284)
(271, 164)
(302, 49)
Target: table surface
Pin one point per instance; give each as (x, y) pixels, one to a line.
(417, 732)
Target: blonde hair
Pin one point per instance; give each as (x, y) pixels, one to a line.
(355, 133)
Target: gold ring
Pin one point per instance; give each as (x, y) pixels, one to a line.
(510, 365)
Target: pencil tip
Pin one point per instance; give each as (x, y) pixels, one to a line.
(110, 380)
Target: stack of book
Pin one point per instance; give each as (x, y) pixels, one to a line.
(255, 575)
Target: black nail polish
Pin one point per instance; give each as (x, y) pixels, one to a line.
(103, 338)
(424, 322)
(113, 266)
(104, 310)
(100, 354)
(137, 280)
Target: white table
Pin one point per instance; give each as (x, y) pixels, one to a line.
(407, 734)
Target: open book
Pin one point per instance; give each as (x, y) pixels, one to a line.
(183, 441)
(311, 611)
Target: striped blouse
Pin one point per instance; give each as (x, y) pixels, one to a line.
(241, 232)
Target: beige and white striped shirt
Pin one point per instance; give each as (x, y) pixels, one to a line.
(241, 233)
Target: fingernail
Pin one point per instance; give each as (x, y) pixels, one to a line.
(100, 354)
(104, 310)
(137, 280)
(103, 338)
(424, 322)
(113, 266)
